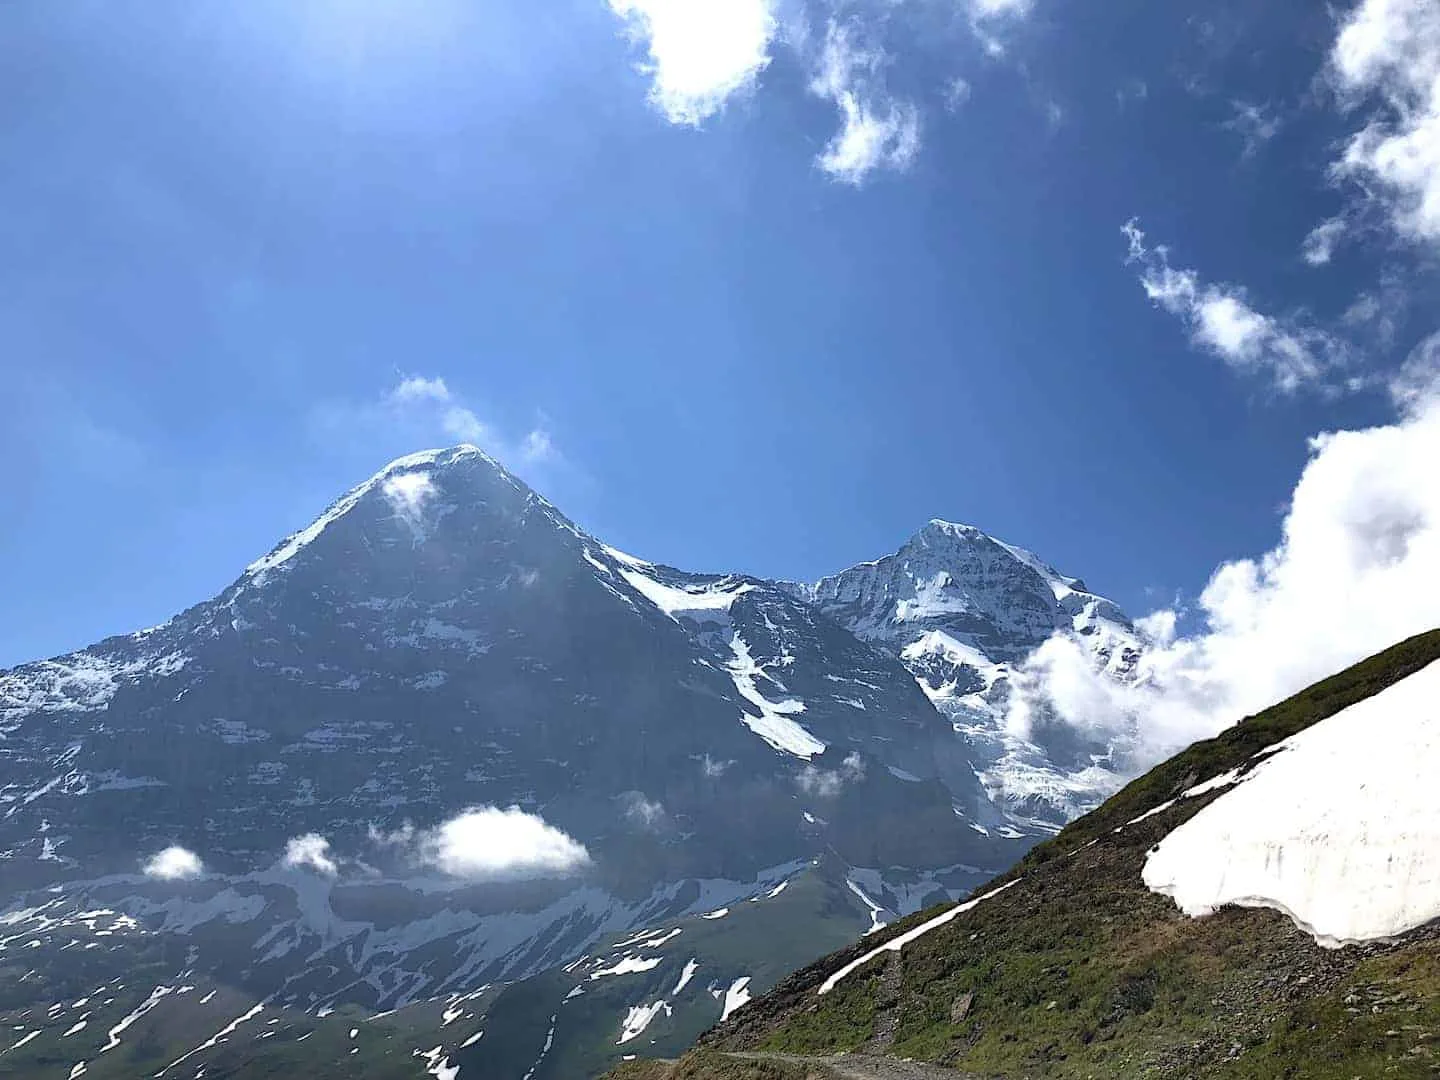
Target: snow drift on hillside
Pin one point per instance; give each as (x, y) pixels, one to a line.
(1339, 829)
(1353, 573)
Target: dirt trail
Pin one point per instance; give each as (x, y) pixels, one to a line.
(863, 1066)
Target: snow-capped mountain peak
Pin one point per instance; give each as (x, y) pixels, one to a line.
(407, 484)
(962, 610)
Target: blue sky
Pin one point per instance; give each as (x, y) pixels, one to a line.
(738, 285)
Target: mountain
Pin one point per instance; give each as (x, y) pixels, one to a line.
(1264, 904)
(962, 611)
(442, 744)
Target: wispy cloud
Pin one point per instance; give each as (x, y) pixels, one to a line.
(699, 53)
(1255, 124)
(992, 9)
(1321, 242)
(424, 410)
(419, 388)
(1222, 321)
(828, 783)
(957, 93)
(876, 130)
(645, 813)
(714, 767)
(1386, 59)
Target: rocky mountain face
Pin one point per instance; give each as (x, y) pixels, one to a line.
(443, 738)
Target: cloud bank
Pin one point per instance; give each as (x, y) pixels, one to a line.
(175, 863)
(486, 843)
(1354, 571)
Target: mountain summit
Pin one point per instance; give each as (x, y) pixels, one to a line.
(962, 611)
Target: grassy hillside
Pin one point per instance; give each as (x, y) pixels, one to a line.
(1077, 970)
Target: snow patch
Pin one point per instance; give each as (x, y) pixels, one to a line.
(1341, 831)
(156, 996)
(638, 1019)
(691, 966)
(898, 942)
(738, 994)
(627, 966)
(876, 923)
(773, 724)
(675, 602)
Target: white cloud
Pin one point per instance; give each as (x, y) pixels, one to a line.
(828, 783)
(957, 93)
(1387, 56)
(537, 446)
(993, 9)
(1132, 91)
(422, 411)
(646, 813)
(1379, 312)
(876, 131)
(461, 423)
(419, 388)
(175, 863)
(700, 52)
(1222, 322)
(1354, 571)
(487, 843)
(313, 851)
(991, 21)
(1255, 124)
(407, 494)
(1321, 242)
(713, 767)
